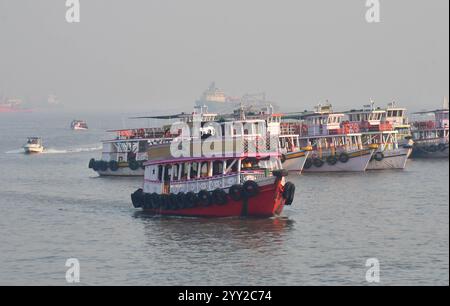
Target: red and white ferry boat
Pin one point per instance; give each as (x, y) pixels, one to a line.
(431, 137)
(214, 187)
(246, 181)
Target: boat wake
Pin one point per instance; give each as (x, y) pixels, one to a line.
(71, 150)
(60, 151)
(19, 151)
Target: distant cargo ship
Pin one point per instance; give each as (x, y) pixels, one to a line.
(12, 106)
(218, 102)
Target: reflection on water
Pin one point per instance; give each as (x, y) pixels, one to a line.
(239, 232)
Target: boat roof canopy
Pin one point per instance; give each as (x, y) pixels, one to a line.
(258, 156)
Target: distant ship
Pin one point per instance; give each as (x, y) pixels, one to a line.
(217, 101)
(79, 125)
(11, 106)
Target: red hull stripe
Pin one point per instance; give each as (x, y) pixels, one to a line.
(269, 202)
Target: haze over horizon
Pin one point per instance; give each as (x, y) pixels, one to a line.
(162, 54)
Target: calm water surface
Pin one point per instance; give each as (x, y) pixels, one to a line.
(54, 208)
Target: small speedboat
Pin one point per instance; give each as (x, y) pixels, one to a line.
(33, 145)
(79, 125)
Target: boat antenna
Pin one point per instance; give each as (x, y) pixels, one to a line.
(445, 103)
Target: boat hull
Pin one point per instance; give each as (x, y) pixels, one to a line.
(391, 159)
(33, 150)
(358, 162)
(423, 151)
(123, 171)
(268, 203)
(295, 161)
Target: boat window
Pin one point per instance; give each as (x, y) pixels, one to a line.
(143, 146)
(194, 170)
(168, 173)
(160, 168)
(175, 172)
(233, 165)
(217, 168)
(250, 164)
(204, 169)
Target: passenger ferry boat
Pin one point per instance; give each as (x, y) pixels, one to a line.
(293, 156)
(378, 133)
(431, 137)
(78, 125)
(126, 153)
(241, 182)
(33, 145)
(397, 117)
(336, 145)
(389, 154)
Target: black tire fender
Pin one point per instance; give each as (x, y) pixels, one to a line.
(308, 164)
(280, 173)
(318, 163)
(113, 165)
(289, 193)
(219, 197)
(236, 192)
(205, 198)
(332, 160)
(344, 157)
(379, 156)
(251, 188)
(91, 163)
(137, 198)
(191, 199)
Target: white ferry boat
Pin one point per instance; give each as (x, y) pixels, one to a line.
(378, 132)
(389, 154)
(397, 117)
(336, 144)
(33, 145)
(126, 153)
(293, 156)
(431, 137)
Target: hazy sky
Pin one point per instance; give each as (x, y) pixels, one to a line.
(161, 54)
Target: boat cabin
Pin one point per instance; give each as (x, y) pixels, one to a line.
(133, 144)
(34, 141)
(432, 130)
(385, 140)
(396, 116)
(369, 118)
(196, 174)
(323, 124)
